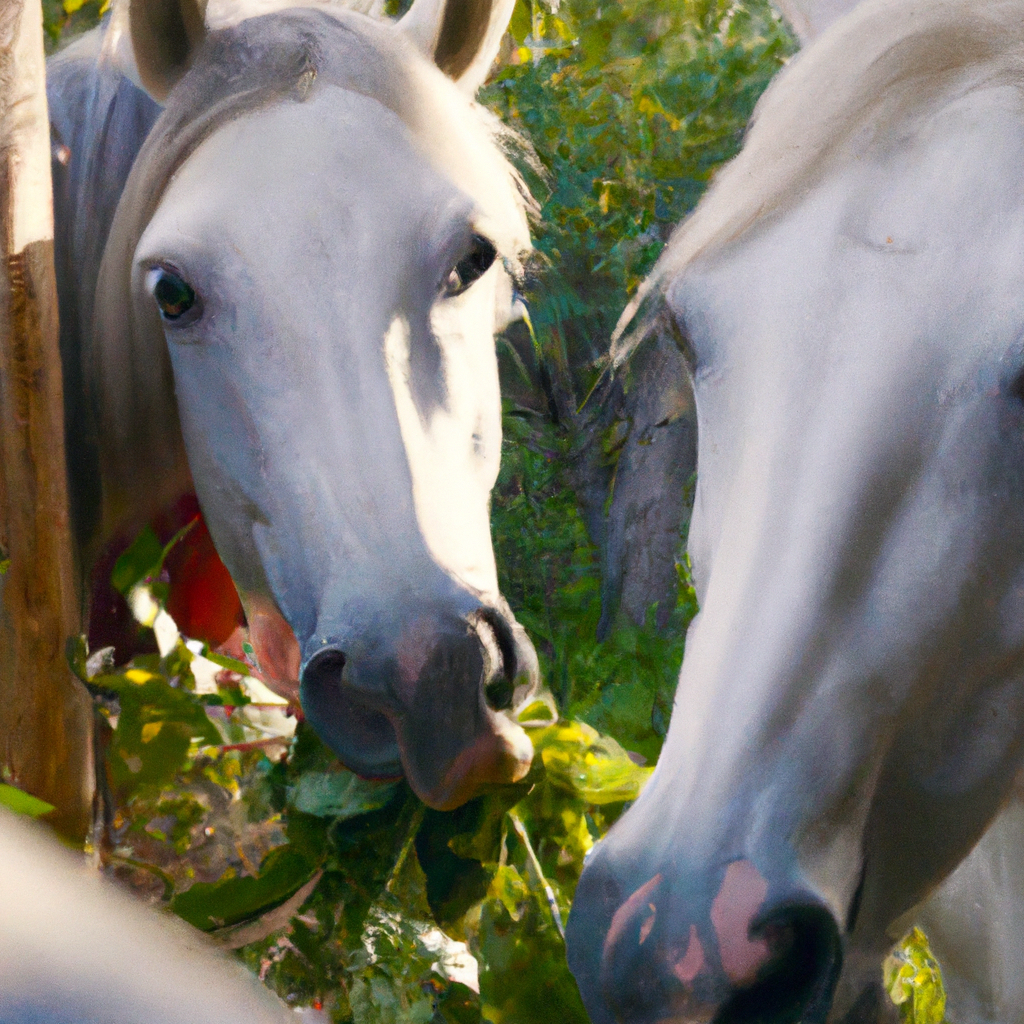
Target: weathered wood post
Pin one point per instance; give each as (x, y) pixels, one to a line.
(45, 713)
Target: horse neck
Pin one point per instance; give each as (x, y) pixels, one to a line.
(99, 121)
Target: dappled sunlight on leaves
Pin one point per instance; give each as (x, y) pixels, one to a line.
(913, 979)
(594, 767)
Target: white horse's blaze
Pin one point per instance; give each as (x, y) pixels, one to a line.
(454, 448)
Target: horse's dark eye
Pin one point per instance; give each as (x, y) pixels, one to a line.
(472, 266)
(174, 297)
(1015, 388)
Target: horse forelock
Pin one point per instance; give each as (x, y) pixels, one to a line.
(873, 69)
(279, 57)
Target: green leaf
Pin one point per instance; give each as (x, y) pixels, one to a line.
(339, 794)
(509, 889)
(142, 559)
(454, 883)
(913, 979)
(459, 850)
(522, 21)
(231, 664)
(76, 651)
(209, 905)
(578, 758)
(156, 726)
(145, 556)
(23, 803)
(458, 1004)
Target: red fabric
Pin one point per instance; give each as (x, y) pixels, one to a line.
(202, 600)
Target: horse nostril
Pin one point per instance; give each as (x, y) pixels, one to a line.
(498, 693)
(496, 638)
(325, 667)
(797, 981)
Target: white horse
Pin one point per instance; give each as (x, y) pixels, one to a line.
(280, 292)
(849, 722)
(75, 950)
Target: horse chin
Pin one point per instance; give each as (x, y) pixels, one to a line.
(500, 757)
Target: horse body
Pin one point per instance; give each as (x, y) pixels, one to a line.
(280, 293)
(849, 715)
(75, 949)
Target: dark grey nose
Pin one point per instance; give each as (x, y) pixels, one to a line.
(422, 697)
(678, 947)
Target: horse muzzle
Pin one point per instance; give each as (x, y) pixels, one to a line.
(427, 701)
(679, 948)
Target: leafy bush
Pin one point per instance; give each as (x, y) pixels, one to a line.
(630, 105)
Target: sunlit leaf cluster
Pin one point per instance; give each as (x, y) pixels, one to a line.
(64, 18)
(630, 105)
(913, 979)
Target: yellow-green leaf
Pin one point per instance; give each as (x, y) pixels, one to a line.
(913, 979)
(509, 889)
(578, 758)
(23, 803)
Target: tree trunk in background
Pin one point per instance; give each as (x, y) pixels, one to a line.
(45, 713)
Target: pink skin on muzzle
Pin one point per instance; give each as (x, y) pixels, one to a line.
(501, 754)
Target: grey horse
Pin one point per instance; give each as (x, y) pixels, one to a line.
(849, 723)
(76, 950)
(283, 243)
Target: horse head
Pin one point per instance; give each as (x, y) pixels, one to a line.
(850, 711)
(295, 315)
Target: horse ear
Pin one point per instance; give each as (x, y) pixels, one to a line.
(809, 18)
(165, 35)
(460, 36)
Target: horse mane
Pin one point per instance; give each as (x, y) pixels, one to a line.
(870, 71)
(274, 58)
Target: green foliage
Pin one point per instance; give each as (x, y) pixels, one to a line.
(21, 802)
(65, 19)
(630, 106)
(550, 573)
(140, 559)
(590, 766)
(913, 979)
(209, 905)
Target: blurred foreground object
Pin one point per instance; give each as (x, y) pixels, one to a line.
(73, 949)
(45, 715)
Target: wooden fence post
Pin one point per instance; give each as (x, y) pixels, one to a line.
(45, 713)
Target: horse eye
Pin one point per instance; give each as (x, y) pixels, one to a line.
(471, 267)
(1016, 387)
(174, 296)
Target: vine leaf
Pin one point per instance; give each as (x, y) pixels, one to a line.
(209, 905)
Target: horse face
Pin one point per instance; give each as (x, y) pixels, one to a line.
(849, 711)
(329, 305)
